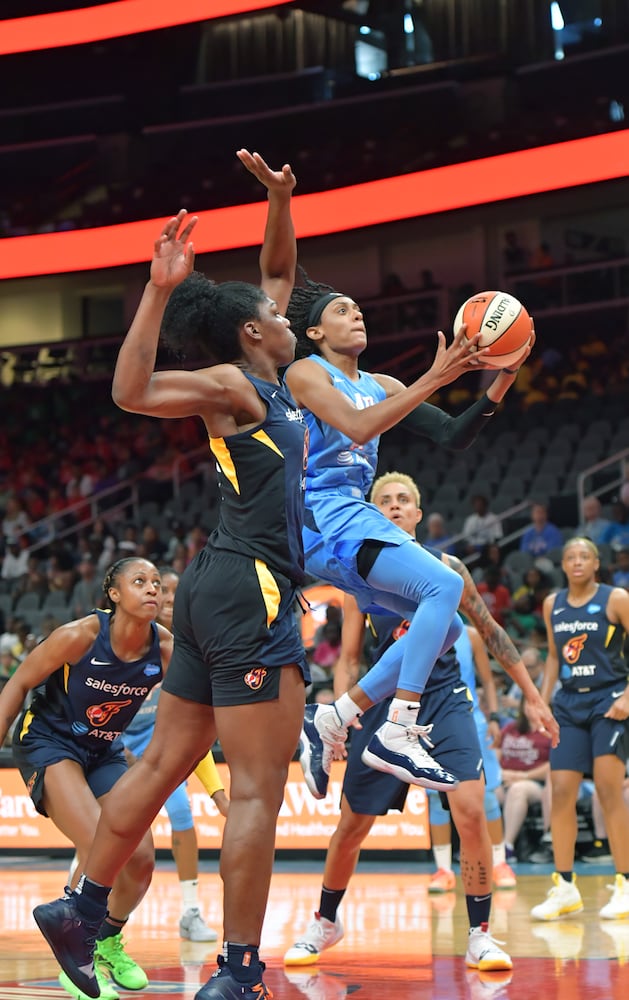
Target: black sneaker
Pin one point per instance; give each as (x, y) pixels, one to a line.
(223, 986)
(72, 939)
(598, 853)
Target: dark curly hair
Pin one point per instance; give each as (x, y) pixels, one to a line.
(205, 317)
(301, 302)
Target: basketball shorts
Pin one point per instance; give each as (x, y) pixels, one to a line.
(234, 625)
(449, 709)
(36, 746)
(585, 732)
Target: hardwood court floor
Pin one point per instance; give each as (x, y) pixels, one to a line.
(399, 942)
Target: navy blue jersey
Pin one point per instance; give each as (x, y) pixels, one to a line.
(95, 699)
(589, 646)
(261, 475)
(386, 628)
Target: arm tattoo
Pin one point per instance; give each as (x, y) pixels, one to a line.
(493, 635)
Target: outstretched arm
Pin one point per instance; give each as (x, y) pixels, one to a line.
(502, 649)
(457, 433)
(278, 256)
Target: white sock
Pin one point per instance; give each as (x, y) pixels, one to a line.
(346, 709)
(190, 893)
(442, 854)
(402, 712)
(499, 854)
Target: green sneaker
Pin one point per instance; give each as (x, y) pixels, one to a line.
(107, 991)
(111, 956)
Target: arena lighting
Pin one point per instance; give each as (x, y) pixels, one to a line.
(112, 20)
(443, 189)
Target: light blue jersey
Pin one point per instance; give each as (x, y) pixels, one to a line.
(465, 656)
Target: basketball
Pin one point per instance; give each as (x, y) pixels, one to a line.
(502, 321)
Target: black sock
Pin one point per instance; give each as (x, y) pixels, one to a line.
(566, 876)
(478, 908)
(330, 902)
(110, 927)
(91, 899)
(244, 962)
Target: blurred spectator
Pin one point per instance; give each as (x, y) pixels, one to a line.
(482, 527)
(542, 535)
(195, 541)
(536, 585)
(437, 534)
(515, 257)
(534, 663)
(593, 525)
(87, 591)
(15, 561)
(496, 596)
(524, 760)
(620, 569)
(15, 521)
(177, 539)
(151, 546)
(492, 555)
(34, 581)
(617, 532)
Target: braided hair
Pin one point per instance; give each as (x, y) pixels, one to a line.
(203, 316)
(300, 310)
(113, 574)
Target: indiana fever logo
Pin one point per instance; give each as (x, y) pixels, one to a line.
(255, 678)
(573, 648)
(400, 629)
(100, 715)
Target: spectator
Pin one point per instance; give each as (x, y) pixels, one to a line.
(514, 255)
(437, 536)
(495, 595)
(34, 581)
(534, 663)
(536, 585)
(87, 591)
(524, 759)
(482, 527)
(15, 561)
(15, 521)
(492, 555)
(617, 532)
(620, 570)
(542, 535)
(593, 525)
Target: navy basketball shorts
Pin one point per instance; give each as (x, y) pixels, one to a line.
(235, 627)
(36, 746)
(585, 732)
(457, 748)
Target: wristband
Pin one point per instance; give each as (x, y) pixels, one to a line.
(494, 717)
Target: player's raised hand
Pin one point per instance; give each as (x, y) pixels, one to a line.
(173, 253)
(278, 181)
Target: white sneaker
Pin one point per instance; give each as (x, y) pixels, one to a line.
(395, 749)
(488, 985)
(484, 953)
(618, 906)
(321, 741)
(563, 898)
(193, 927)
(320, 934)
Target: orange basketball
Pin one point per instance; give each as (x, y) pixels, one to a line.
(502, 321)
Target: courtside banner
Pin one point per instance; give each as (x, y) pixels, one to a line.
(442, 189)
(304, 823)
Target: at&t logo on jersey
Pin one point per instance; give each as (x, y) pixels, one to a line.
(255, 678)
